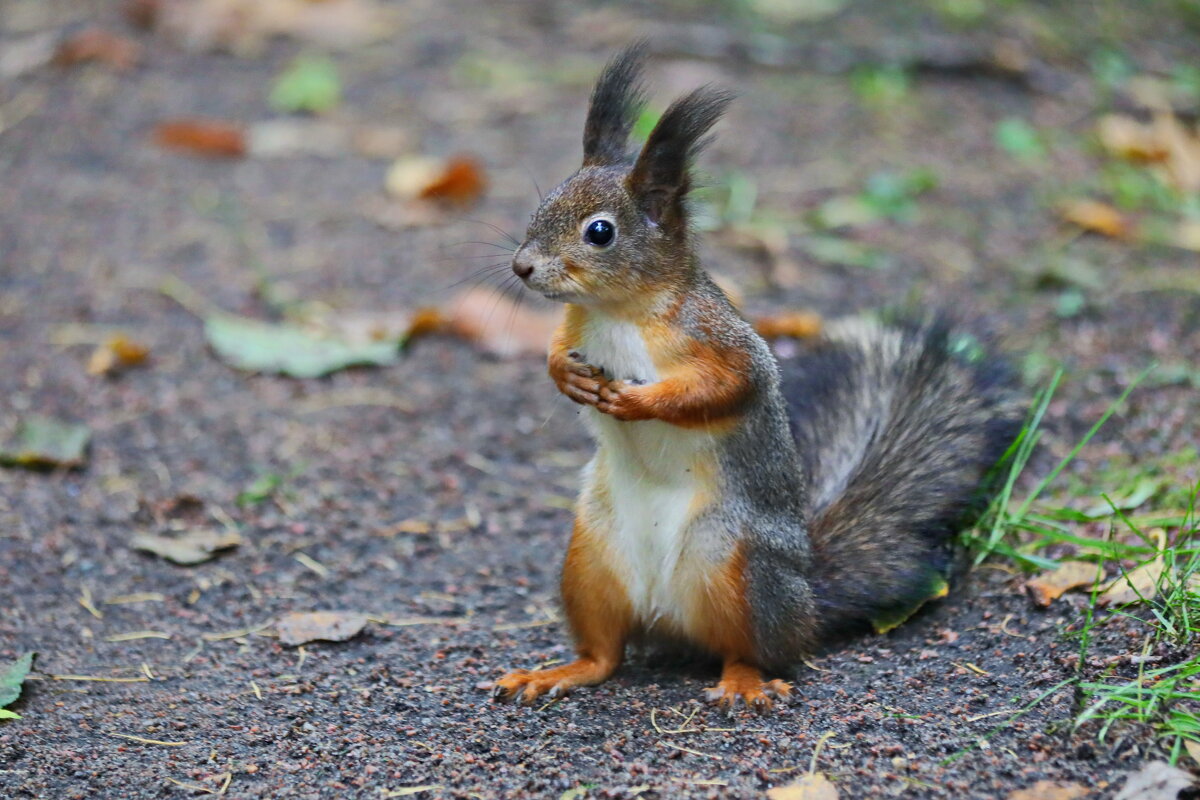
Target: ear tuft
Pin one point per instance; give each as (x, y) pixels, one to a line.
(661, 177)
(616, 102)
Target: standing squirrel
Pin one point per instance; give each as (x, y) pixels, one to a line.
(747, 517)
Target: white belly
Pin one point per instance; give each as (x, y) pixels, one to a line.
(646, 486)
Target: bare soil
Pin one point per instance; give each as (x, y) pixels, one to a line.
(93, 216)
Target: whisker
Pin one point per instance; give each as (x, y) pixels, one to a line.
(480, 275)
(495, 228)
(533, 180)
(506, 248)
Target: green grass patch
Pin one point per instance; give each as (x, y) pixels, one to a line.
(1139, 520)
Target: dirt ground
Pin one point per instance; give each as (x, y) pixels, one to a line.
(434, 493)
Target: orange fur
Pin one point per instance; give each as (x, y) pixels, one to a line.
(600, 617)
(702, 384)
(724, 627)
(721, 620)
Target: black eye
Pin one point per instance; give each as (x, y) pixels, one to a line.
(600, 232)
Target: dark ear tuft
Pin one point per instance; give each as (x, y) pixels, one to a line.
(616, 101)
(661, 177)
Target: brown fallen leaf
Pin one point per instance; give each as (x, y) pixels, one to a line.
(1182, 162)
(461, 183)
(1187, 235)
(203, 137)
(194, 546)
(458, 182)
(96, 44)
(1193, 750)
(117, 354)
(1096, 217)
(813, 786)
(1138, 584)
(328, 626)
(1157, 780)
(1125, 137)
(793, 324)
(1049, 586)
(244, 26)
(497, 324)
(1051, 790)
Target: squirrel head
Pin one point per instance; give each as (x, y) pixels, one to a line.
(617, 230)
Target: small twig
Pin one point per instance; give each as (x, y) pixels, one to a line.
(143, 740)
(689, 750)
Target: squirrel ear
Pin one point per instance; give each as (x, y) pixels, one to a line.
(661, 177)
(616, 101)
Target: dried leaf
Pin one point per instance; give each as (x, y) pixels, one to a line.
(297, 137)
(1158, 780)
(244, 26)
(461, 183)
(45, 443)
(1051, 790)
(10, 684)
(1141, 583)
(1187, 235)
(287, 349)
(793, 324)
(500, 325)
(203, 137)
(192, 547)
(1183, 152)
(1096, 217)
(329, 626)
(118, 353)
(1193, 750)
(1049, 586)
(813, 786)
(458, 182)
(1125, 137)
(96, 44)
(933, 587)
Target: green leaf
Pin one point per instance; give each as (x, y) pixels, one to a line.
(309, 85)
(880, 85)
(844, 252)
(45, 443)
(1016, 137)
(263, 487)
(10, 683)
(285, 349)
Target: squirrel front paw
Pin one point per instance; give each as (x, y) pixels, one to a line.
(620, 400)
(578, 380)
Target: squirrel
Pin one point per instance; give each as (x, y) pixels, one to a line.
(748, 514)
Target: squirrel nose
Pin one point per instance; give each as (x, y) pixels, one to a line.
(522, 264)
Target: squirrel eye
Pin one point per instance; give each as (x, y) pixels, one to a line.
(600, 232)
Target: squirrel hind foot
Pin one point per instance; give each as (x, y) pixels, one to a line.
(743, 684)
(528, 685)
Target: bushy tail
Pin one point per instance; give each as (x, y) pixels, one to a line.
(897, 428)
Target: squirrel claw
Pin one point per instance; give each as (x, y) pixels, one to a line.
(756, 695)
